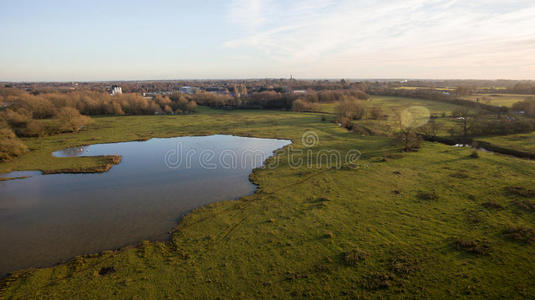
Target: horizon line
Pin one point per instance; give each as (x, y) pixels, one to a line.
(262, 78)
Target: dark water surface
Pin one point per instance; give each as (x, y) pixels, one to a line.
(46, 219)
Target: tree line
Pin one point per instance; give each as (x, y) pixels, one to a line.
(271, 99)
(24, 114)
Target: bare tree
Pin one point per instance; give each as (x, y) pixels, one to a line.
(466, 118)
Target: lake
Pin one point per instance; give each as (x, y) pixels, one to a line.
(46, 219)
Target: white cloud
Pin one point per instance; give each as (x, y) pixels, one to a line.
(450, 34)
(247, 12)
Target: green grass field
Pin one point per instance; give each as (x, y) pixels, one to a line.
(506, 100)
(390, 105)
(400, 225)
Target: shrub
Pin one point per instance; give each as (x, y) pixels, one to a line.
(473, 246)
(16, 119)
(190, 107)
(71, 120)
(10, 145)
(376, 113)
(350, 109)
(33, 128)
(301, 105)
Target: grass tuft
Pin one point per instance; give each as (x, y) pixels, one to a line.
(520, 233)
(473, 246)
(379, 281)
(520, 191)
(525, 205)
(428, 196)
(493, 205)
(353, 257)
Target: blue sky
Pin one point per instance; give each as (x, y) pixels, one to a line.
(127, 40)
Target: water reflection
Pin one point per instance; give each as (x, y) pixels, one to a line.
(71, 152)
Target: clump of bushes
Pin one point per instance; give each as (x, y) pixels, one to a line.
(474, 154)
(520, 233)
(350, 109)
(211, 99)
(70, 119)
(10, 145)
(301, 105)
(353, 257)
(473, 246)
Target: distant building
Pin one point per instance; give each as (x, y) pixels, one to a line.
(116, 90)
(187, 90)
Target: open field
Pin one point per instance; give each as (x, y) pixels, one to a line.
(437, 88)
(506, 100)
(433, 223)
(390, 105)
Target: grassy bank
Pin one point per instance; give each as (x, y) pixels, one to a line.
(433, 223)
(521, 142)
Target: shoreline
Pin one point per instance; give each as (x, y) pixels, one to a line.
(116, 159)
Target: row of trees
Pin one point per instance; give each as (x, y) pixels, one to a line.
(44, 106)
(27, 115)
(271, 99)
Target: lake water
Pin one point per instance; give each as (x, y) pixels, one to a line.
(46, 219)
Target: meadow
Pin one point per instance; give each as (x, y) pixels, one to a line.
(391, 105)
(506, 100)
(434, 223)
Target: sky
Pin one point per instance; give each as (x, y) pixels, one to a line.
(142, 40)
